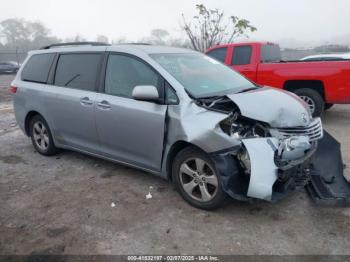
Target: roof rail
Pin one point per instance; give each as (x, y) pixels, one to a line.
(74, 44)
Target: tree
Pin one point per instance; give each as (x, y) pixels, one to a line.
(158, 36)
(79, 38)
(209, 28)
(40, 35)
(23, 34)
(14, 31)
(76, 38)
(178, 42)
(120, 40)
(37, 30)
(102, 38)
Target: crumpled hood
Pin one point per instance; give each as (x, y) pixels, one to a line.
(277, 107)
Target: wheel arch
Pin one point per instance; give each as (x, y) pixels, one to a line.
(172, 153)
(317, 85)
(27, 119)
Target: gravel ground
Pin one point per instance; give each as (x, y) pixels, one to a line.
(62, 205)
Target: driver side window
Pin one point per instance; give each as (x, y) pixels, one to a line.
(124, 72)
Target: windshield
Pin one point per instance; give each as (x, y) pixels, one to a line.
(201, 75)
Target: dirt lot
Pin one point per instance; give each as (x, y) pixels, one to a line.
(62, 205)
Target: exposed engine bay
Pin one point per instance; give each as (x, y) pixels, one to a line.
(294, 145)
(274, 157)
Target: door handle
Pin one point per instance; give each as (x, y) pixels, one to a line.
(104, 105)
(85, 101)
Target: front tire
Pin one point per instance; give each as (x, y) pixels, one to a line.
(41, 136)
(313, 99)
(197, 180)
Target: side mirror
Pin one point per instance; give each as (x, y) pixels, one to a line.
(145, 93)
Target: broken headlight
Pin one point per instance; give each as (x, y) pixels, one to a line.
(241, 127)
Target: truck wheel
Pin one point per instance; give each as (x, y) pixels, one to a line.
(313, 99)
(196, 179)
(328, 106)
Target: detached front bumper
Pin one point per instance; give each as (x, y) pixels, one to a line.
(322, 173)
(327, 182)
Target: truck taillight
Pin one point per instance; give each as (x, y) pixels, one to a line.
(13, 89)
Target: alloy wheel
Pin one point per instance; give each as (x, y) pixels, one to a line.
(198, 179)
(41, 135)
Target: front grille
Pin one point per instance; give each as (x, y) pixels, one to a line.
(314, 131)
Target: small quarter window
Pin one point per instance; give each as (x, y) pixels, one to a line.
(170, 95)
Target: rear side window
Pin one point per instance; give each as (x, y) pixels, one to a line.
(77, 71)
(37, 68)
(218, 54)
(241, 55)
(123, 73)
(270, 54)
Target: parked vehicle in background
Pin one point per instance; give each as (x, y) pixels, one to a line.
(327, 57)
(319, 83)
(9, 67)
(176, 113)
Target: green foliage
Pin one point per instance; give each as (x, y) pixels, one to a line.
(209, 28)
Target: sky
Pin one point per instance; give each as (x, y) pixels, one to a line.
(290, 22)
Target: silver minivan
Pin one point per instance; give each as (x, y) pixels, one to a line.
(173, 112)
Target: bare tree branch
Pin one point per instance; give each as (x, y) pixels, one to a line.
(208, 28)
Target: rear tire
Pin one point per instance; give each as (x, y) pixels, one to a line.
(313, 99)
(41, 136)
(196, 179)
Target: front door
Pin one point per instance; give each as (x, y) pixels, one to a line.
(129, 130)
(241, 61)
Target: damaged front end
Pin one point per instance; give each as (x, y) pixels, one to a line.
(327, 183)
(278, 156)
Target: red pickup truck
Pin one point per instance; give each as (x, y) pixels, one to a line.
(319, 83)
